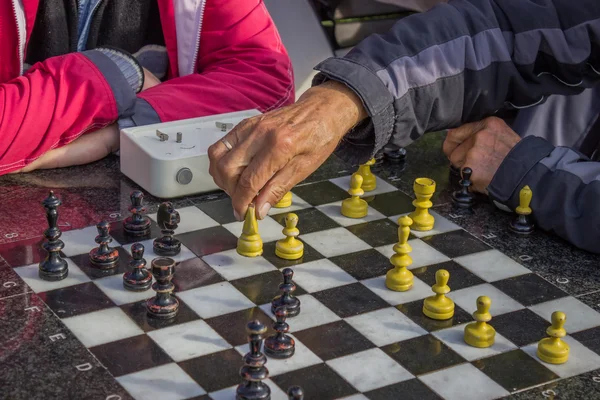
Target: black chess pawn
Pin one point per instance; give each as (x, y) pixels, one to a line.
(164, 305)
(280, 345)
(291, 303)
(394, 153)
(137, 224)
(295, 393)
(254, 371)
(138, 278)
(104, 256)
(52, 267)
(463, 198)
(167, 219)
(454, 171)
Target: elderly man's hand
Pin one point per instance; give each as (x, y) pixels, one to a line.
(273, 152)
(481, 146)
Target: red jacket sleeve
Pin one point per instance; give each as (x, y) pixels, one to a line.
(242, 64)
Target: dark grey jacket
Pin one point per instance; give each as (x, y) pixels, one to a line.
(468, 59)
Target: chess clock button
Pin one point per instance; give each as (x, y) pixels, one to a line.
(184, 176)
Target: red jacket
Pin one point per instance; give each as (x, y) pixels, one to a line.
(235, 62)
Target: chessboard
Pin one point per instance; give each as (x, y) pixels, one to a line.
(354, 337)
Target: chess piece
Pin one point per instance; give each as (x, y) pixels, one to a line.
(254, 371)
(53, 267)
(369, 181)
(438, 306)
(354, 206)
(280, 345)
(249, 243)
(522, 223)
(137, 224)
(394, 154)
(422, 220)
(290, 248)
(295, 393)
(400, 278)
(463, 198)
(480, 333)
(138, 278)
(104, 256)
(553, 349)
(167, 218)
(285, 201)
(454, 171)
(291, 303)
(164, 305)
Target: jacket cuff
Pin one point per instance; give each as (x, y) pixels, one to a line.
(144, 114)
(124, 78)
(517, 164)
(364, 140)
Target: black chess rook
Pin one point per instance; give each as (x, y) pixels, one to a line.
(295, 393)
(254, 372)
(167, 219)
(280, 344)
(138, 278)
(286, 299)
(164, 305)
(463, 198)
(104, 256)
(137, 224)
(53, 267)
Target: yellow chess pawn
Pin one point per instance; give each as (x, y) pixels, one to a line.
(290, 248)
(285, 201)
(355, 207)
(480, 333)
(249, 243)
(439, 306)
(424, 188)
(400, 278)
(553, 349)
(369, 181)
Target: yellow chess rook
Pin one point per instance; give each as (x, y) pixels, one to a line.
(439, 306)
(480, 333)
(400, 278)
(424, 189)
(249, 243)
(290, 248)
(553, 349)
(369, 181)
(285, 201)
(355, 207)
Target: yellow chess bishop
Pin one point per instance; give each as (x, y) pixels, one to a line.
(285, 201)
(249, 243)
(355, 207)
(439, 306)
(400, 278)
(369, 181)
(553, 349)
(424, 189)
(480, 333)
(290, 248)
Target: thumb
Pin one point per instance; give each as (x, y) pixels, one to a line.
(458, 135)
(281, 183)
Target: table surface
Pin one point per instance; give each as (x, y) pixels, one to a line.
(100, 192)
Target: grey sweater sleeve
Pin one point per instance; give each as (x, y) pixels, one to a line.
(463, 61)
(565, 187)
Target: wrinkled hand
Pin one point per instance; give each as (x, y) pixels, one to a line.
(273, 152)
(481, 146)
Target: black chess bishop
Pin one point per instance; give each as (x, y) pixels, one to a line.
(286, 299)
(254, 372)
(138, 278)
(104, 256)
(167, 219)
(53, 267)
(280, 344)
(462, 198)
(164, 305)
(137, 224)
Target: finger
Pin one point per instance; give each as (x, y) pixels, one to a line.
(459, 154)
(457, 136)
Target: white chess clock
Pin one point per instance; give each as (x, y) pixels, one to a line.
(170, 159)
